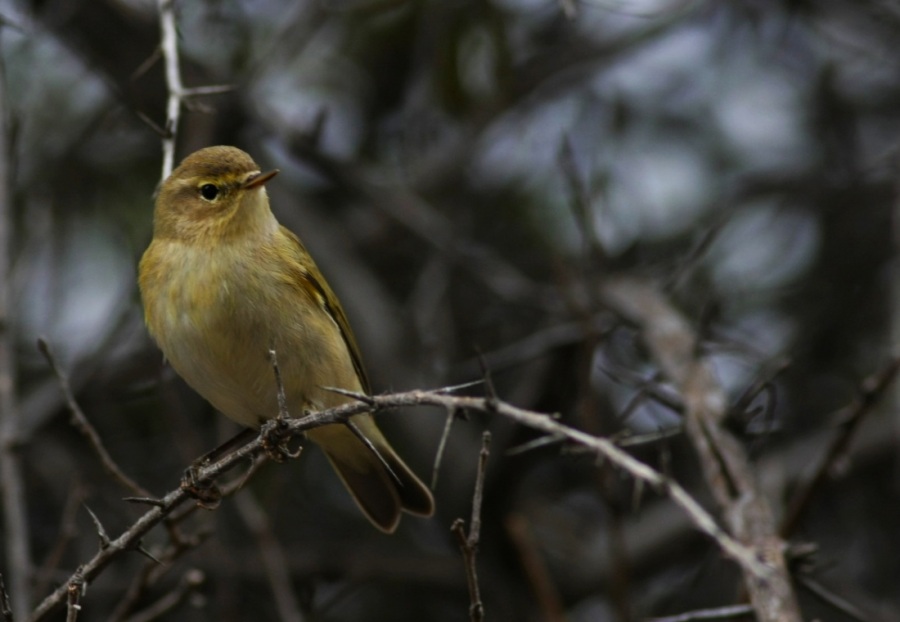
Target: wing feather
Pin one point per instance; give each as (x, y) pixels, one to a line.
(313, 281)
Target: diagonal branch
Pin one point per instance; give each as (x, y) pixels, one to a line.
(674, 345)
(80, 421)
(161, 508)
(872, 391)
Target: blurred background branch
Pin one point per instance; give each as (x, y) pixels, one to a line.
(470, 175)
(16, 536)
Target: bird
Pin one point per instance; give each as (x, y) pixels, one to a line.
(222, 283)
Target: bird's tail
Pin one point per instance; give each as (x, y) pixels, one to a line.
(379, 481)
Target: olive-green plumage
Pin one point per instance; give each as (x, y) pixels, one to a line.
(222, 282)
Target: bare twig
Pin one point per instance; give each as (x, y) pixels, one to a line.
(580, 200)
(729, 476)
(67, 532)
(81, 423)
(5, 608)
(536, 344)
(273, 558)
(152, 572)
(15, 513)
(442, 445)
(213, 89)
(541, 441)
(478, 494)
(716, 613)
(456, 388)
(468, 544)
(189, 583)
(873, 390)
(139, 583)
(760, 386)
(545, 593)
(279, 384)
(698, 250)
(832, 599)
(274, 431)
(651, 388)
(633, 440)
(413, 212)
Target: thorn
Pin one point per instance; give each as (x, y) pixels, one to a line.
(143, 551)
(361, 397)
(490, 390)
(442, 445)
(101, 532)
(537, 443)
(214, 89)
(153, 125)
(147, 64)
(458, 387)
(252, 469)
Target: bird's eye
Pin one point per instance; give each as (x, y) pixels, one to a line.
(209, 191)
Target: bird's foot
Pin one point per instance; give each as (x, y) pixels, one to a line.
(276, 435)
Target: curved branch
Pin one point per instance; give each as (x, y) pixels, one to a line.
(130, 538)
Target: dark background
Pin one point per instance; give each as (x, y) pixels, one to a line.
(466, 174)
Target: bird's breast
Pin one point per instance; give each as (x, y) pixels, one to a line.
(216, 315)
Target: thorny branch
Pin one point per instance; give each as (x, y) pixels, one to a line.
(80, 421)
(468, 543)
(873, 390)
(163, 507)
(130, 539)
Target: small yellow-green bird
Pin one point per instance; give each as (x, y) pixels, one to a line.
(223, 282)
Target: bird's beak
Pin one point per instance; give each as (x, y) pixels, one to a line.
(257, 180)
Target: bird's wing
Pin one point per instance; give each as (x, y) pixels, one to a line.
(316, 284)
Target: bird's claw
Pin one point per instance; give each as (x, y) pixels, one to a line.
(276, 435)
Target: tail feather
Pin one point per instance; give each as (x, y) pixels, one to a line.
(372, 489)
(415, 497)
(382, 485)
